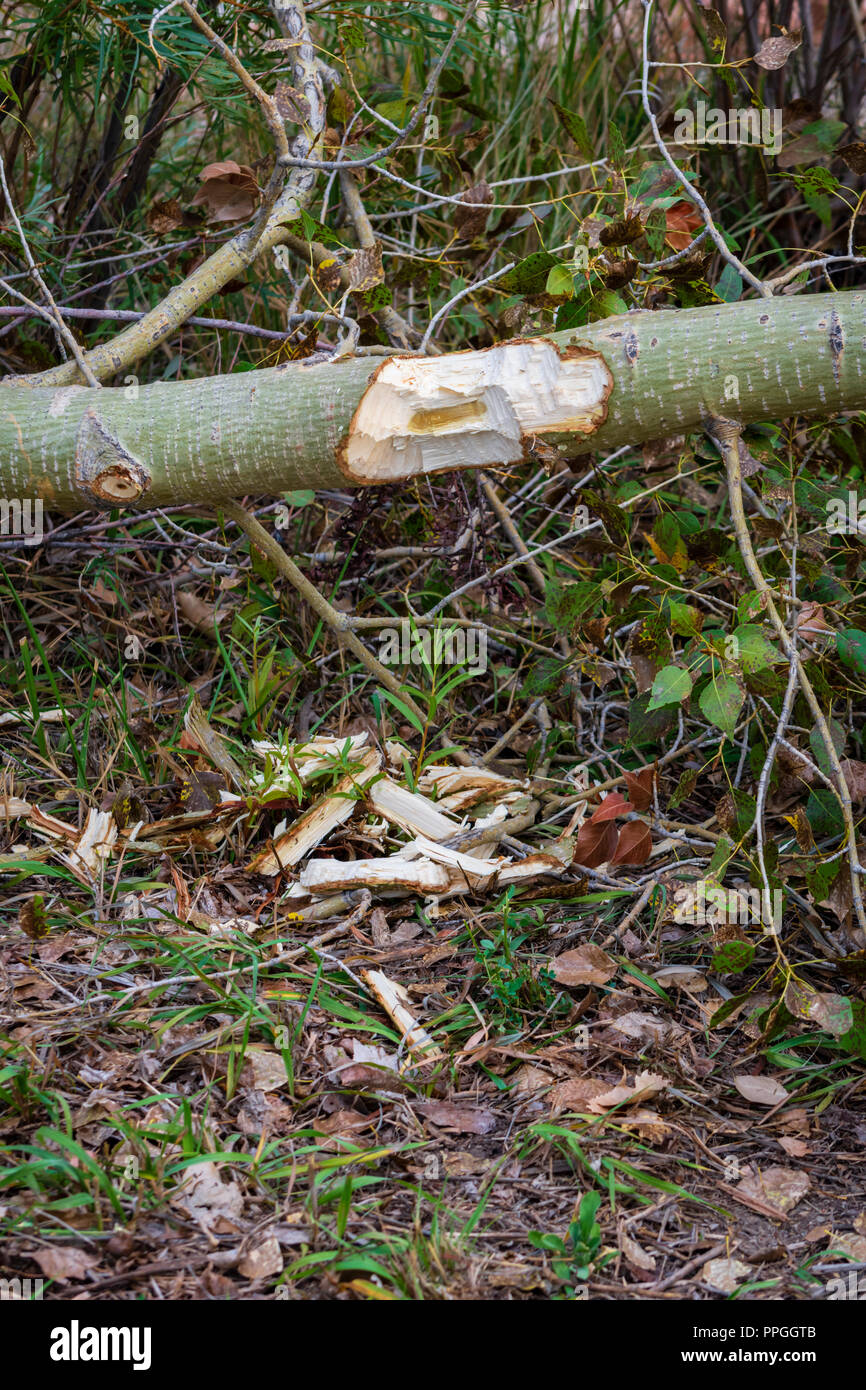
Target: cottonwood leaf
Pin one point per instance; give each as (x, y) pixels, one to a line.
(732, 957)
(635, 844)
(586, 965)
(575, 127)
(832, 1012)
(760, 1090)
(640, 788)
(851, 646)
(595, 844)
(671, 686)
(611, 806)
(721, 702)
(774, 53)
(754, 652)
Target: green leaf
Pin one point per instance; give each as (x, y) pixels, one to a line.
(671, 686)
(684, 788)
(646, 725)
(722, 854)
(824, 813)
(543, 677)
(721, 702)
(404, 710)
(575, 127)
(529, 276)
(826, 132)
(655, 231)
(732, 957)
(606, 304)
(851, 646)
(560, 280)
(819, 751)
(352, 32)
(667, 532)
(616, 149)
(302, 498)
(754, 652)
(685, 620)
(565, 604)
(855, 1038)
(749, 606)
(730, 285)
(728, 1008)
(821, 879)
(612, 518)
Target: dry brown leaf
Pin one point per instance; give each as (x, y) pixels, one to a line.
(464, 1118)
(761, 1090)
(586, 965)
(292, 105)
(774, 53)
(778, 1188)
(595, 844)
(811, 622)
(63, 1262)
(614, 804)
(831, 1012)
(529, 1079)
(263, 1261)
(470, 222)
(164, 217)
(794, 1148)
(575, 1094)
(640, 788)
(634, 1253)
(264, 1069)
(364, 268)
(646, 1084)
(853, 1246)
(725, 1275)
(209, 1200)
(635, 844)
(460, 1164)
(681, 977)
(229, 191)
(643, 1028)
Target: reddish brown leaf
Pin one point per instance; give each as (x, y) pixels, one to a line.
(229, 191)
(470, 222)
(683, 220)
(615, 804)
(595, 844)
(164, 217)
(811, 621)
(635, 844)
(640, 788)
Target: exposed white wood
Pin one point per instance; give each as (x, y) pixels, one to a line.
(471, 409)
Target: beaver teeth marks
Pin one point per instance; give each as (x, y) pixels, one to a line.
(472, 409)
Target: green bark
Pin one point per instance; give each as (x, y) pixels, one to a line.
(283, 428)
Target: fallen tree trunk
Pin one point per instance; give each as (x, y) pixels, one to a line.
(366, 421)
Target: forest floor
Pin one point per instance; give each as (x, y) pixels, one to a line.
(203, 1094)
